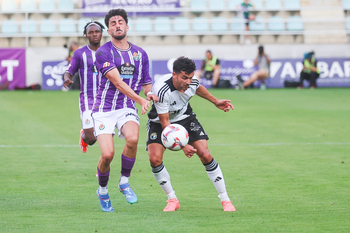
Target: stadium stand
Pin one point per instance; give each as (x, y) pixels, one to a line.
(9, 27)
(199, 21)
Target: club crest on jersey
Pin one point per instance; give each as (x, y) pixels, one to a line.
(101, 127)
(136, 56)
(87, 121)
(127, 70)
(106, 64)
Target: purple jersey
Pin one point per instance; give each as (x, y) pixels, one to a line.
(83, 61)
(133, 67)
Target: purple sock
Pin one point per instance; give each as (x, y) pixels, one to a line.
(103, 178)
(127, 165)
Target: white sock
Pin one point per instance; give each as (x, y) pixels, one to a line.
(123, 180)
(103, 190)
(217, 178)
(163, 178)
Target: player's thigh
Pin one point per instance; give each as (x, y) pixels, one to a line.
(130, 130)
(106, 144)
(202, 150)
(124, 116)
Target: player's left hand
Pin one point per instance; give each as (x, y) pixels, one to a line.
(189, 150)
(152, 97)
(224, 105)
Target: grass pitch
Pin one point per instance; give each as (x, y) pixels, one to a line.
(285, 155)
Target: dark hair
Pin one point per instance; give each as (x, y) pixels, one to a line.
(261, 49)
(208, 51)
(184, 64)
(96, 22)
(115, 12)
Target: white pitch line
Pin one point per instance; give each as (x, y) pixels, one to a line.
(215, 144)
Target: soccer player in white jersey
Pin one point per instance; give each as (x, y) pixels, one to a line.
(174, 92)
(124, 69)
(83, 62)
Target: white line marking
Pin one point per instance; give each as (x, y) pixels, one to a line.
(218, 144)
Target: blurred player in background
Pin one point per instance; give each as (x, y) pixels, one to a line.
(174, 92)
(211, 67)
(82, 62)
(125, 70)
(263, 72)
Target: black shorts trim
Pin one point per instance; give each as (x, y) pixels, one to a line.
(194, 128)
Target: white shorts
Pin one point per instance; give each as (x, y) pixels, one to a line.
(106, 122)
(86, 119)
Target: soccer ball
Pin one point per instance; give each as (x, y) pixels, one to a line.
(175, 137)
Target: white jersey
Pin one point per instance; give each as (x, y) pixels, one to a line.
(171, 100)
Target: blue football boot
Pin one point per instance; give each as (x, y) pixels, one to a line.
(106, 205)
(128, 193)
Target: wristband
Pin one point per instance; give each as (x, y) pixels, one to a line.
(149, 93)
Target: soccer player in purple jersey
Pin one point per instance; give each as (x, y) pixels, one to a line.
(83, 62)
(124, 69)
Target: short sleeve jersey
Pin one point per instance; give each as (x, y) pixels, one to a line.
(246, 9)
(133, 66)
(83, 62)
(171, 100)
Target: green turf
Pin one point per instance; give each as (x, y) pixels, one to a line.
(285, 155)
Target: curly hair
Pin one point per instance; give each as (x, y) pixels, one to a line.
(184, 64)
(93, 22)
(115, 12)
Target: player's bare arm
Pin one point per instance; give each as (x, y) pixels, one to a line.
(114, 76)
(223, 104)
(67, 80)
(147, 89)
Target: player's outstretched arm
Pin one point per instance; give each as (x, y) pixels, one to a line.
(224, 104)
(147, 89)
(114, 76)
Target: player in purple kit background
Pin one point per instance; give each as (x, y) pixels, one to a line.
(83, 62)
(124, 69)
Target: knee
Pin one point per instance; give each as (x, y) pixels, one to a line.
(205, 156)
(107, 157)
(131, 142)
(155, 161)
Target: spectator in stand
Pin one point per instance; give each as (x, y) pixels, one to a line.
(211, 67)
(310, 71)
(245, 8)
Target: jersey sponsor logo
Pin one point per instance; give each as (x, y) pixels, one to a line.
(153, 136)
(87, 121)
(94, 70)
(106, 64)
(101, 127)
(136, 56)
(127, 70)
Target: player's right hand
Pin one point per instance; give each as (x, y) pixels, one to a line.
(67, 83)
(189, 150)
(145, 104)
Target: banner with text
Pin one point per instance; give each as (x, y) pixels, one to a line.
(52, 73)
(140, 7)
(12, 68)
(335, 72)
